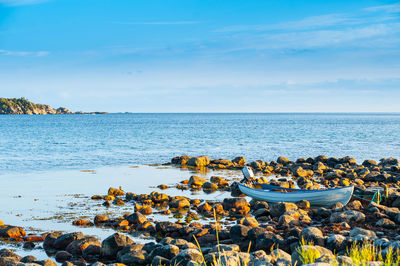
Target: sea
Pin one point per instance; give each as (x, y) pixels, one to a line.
(51, 165)
(42, 143)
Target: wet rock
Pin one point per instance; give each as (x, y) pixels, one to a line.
(76, 247)
(280, 208)
(166, 251)
(179, 203)
(210, 186)
(196, 181)
(187, 255)
(48, 262)
(234, 203)
(282, 160)
(50, 239)
(114, 243)
(136, 218)
(62, 256)
(64, 240)
(82, 223)
(200, 161)
(100, 219)
(115, 191)
(92, 253)
(241, 161)
(9, 231)
(347, 216)
(28, 259)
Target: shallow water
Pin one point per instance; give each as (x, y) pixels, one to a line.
(44, 202)
(59, 142)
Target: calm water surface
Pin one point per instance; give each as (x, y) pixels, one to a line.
(58, 142)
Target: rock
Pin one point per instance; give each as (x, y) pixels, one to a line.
(386, 223)
(360, 231)
(239, 161)
(115, 191)
(210, 186)
(347, 216)
(312, 234)
(234, 203)
(48, 262)
(76, 247)
(200, 161)
(280, 208)
(9, 231)
(129, 249)
(179, 203)
(28, 259)
(92, 253)
(62, 256)
(64, 240)
(238, 232)
(136, 218)
(282, 160)
(318, 251)
(265, 241)
(279, 253)
(167, 251)
(335, 242)
(158, 260)
(50, 239)
(248, 221)
(114, 243)
(133, 258)
(82, 223)
(354, 205)
(196, 181)
(303, 204)
(225, 247)
(186, 256)
(369, 163)
(99, 219)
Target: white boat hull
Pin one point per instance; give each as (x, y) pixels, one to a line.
(318, 198)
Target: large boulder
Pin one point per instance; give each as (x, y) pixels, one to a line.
(361, 231)
(114, 243)
(200, 161)
(347, 216)
(50, 239)
(133, 258)
(196, 181)
(78, 246)
(336, 242)
(280, 208)
(166, 251)
(64, 240)
(187, 255)
(312, 234)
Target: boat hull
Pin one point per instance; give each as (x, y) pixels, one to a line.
(318, 198)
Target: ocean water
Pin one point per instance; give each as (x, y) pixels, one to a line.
(60, 142)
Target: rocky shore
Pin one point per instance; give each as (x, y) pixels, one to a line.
(237, 230)
(23, 106)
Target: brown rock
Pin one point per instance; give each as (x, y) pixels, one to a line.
(99, 219)
(200, 161)
(9, 231)
(239, 161)
(115, 191)
(179, 203)
(196, 181)
(82, 223)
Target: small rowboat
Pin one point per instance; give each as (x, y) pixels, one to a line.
(318, 198)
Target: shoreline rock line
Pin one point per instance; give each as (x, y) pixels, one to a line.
(235, 231)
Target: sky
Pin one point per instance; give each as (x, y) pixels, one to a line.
(202, 55)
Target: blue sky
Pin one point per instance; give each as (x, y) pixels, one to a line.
(202, 56)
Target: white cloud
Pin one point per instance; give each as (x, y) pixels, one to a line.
(24, 53)
(393, 8)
